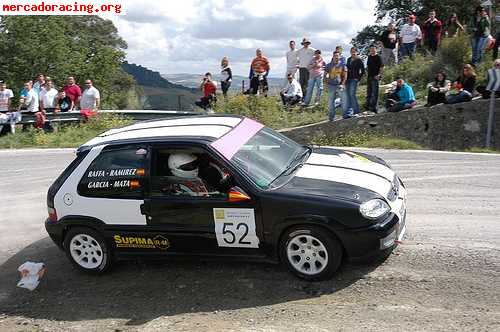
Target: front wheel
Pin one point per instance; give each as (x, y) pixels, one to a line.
(311, 253)
(87, 250)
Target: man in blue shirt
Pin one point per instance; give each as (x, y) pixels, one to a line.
(402, 98)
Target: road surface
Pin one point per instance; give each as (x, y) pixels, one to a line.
(445, 276)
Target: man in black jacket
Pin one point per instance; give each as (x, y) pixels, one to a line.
(355, 71)
(375, 67)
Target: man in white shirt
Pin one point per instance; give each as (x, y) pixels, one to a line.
(5, 97)
(410, 36)
(292, 93)
(48, 97)
(292, 60)
(305, 55)
(91, 98)
(31, 99)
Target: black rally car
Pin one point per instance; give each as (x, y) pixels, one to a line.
(223, 186)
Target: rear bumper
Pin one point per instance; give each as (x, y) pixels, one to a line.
(56, 232)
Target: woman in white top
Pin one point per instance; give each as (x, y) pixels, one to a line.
(226, 75)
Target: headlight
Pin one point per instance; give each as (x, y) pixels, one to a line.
(374, 209)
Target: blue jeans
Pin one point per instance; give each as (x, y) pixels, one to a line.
(334, 92)
(408, 49)
(458, 98)
(351, 105)
(314, 81)
(478, 46)
(372, 94)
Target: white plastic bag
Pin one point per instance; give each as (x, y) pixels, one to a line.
(31, 273)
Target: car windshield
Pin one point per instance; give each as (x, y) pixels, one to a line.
(267, 156)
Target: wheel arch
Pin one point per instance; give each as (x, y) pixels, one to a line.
(69, 222)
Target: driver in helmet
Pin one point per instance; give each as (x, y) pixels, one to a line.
(196, 176)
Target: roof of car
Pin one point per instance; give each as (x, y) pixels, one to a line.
(210, 127)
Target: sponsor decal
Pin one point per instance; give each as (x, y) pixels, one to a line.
(116, 172)
(142, 242)
(132, 184)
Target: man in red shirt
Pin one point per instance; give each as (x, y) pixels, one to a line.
(73, 92)
(260, 70)
(209, 89)
(432, 32)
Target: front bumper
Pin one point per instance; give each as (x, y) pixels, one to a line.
(377, 239)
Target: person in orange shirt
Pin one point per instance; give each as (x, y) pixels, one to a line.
(260, 70)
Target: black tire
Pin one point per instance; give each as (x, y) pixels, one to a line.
(329, 243)
(95, 252)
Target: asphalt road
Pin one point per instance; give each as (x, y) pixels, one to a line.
(445, 276)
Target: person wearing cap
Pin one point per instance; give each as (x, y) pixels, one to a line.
(305, 55)
(292, 60)
(316, 70)
(409, 37)
(432, 32)
(479, 30)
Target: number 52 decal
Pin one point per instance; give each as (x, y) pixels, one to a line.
(235, 228)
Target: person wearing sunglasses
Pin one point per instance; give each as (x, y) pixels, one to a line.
(465, 85)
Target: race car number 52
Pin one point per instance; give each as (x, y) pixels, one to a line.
(235, 228)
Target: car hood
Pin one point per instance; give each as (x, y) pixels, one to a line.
(347, 169)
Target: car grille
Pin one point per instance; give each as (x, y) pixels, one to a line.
(394, 191)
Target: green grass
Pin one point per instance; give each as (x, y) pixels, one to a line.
(68, 136)
(482, 150)
(365, 140)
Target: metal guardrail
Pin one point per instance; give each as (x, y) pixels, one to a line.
(136, 115)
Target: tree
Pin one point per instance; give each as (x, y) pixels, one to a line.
(58, 46)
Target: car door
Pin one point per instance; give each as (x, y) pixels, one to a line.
(220, 223)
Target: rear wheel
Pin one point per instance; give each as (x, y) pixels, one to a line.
(87, 250)
(311, 253)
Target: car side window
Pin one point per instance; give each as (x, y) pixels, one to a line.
(116, 173)
(186, 173)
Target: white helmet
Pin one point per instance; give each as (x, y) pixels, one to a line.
(183, 165)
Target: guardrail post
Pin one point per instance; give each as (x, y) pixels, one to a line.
(243, 86)
(490, 119)
(179, 102)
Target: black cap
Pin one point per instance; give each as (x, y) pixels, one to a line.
(2, 81)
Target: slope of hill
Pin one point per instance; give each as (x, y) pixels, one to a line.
(159, 93)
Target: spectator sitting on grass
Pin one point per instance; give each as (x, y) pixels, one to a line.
(482, 89)
(437, 90)
(464, 85)
(64, 103)
(292, 93)
(402, 98)
(316, 70)
(209, 89)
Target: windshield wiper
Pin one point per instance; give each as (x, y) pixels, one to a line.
(293, 165)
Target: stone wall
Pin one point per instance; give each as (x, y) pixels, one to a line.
(443, 127)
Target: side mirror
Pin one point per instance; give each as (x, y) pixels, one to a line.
(236, 194)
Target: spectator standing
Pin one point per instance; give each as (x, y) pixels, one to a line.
(209, 89)
(464, 85)
(336, 74)
(7, 117)
(48, 97)
(355, 71)
(497, 37)
(64, 103)
(31, 99)
(226, 76)
(432, 32)
(479, 30)
(375, 67)
(72, 91)
(39, 84)
(90, 101)
(340, 49)
(305, 55)
(410, 36)
(260, 69)
(389, 40)
(291, 94)
(316, 71)
(437, 90)
(5, 97)
(486, 94)
(453, 27)
(292, 60)
(402, 98)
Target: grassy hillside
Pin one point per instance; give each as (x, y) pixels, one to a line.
(158, 93)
